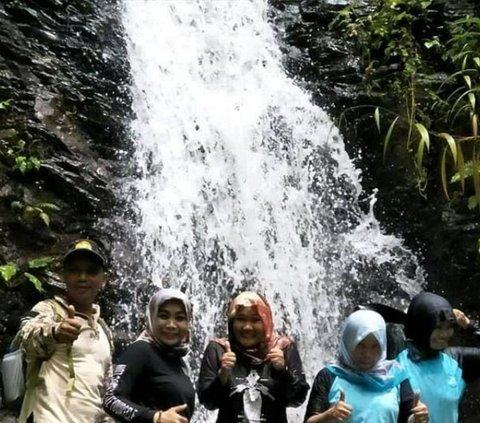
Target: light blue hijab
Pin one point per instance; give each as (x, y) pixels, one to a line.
(385, 374)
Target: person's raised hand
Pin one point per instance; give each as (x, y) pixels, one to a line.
(341, 411)
(419, 410)
(69, 329)
(228, 358)
(227, 362)
(277, 358)
(462, 320)
(174, 415)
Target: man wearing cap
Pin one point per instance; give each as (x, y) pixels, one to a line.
(67, 346)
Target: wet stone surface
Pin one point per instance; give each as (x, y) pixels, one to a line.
(63, 64)
(445, 238)
(65, 75)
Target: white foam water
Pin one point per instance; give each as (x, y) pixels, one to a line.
(240, 182)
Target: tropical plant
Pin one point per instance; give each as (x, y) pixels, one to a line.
(6, 104)
(431, 69)
(436, 106)
(453, 116)
(13, 275)
(15, 152)
(32, 213)
(392, 37)
(18, 157)
(462, 106)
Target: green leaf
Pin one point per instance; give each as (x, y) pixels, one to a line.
(376, 116)
(459, 99)
(21, 145)
(472, 100)
(432, 43)
(6, 104)
(461, 167)
(21, 164)
(36, 163)
(476, 179)
(476, 60)
(424, 142)
(37, 283)
(40, 262)
(45, 217)
(8, 271)
(48, 206)
(468, 81)
(443, 172)
(16, 205)
(468, 170)
(472, 202)
(388, 136)
(451, 143)
(424, 135)
(420, 152)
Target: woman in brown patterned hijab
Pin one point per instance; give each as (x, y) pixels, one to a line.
(253, 374)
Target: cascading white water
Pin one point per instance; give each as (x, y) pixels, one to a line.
(241, 182)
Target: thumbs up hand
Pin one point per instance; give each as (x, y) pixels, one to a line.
(277, 358)
(227, 362)
(71, 312)
(228, 358)
(69, 328)
(419, 410)
(341, 411)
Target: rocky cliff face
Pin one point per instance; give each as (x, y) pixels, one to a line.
(64, 91)
(446, 238)
(65, 78)
(329, 69)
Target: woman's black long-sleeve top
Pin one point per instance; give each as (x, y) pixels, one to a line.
(145, 380)
(279, 389)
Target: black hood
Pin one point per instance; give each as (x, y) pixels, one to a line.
(425, 312)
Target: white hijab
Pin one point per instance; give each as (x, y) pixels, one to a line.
(160, 297)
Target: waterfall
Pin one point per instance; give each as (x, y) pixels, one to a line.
(240, 182)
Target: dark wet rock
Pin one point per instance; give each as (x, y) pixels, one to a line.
(63, 64)
(444, 236)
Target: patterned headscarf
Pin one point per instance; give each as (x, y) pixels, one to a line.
(255, 356)
(159, 298)
(356, 328)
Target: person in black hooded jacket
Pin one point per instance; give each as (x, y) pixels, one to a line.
(438, 372)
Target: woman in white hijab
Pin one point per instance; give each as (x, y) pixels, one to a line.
(150, 384)
(362, 386)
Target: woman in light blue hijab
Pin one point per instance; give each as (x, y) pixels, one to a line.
(362, 386)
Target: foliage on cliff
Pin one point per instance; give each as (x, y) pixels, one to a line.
(423, 76)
